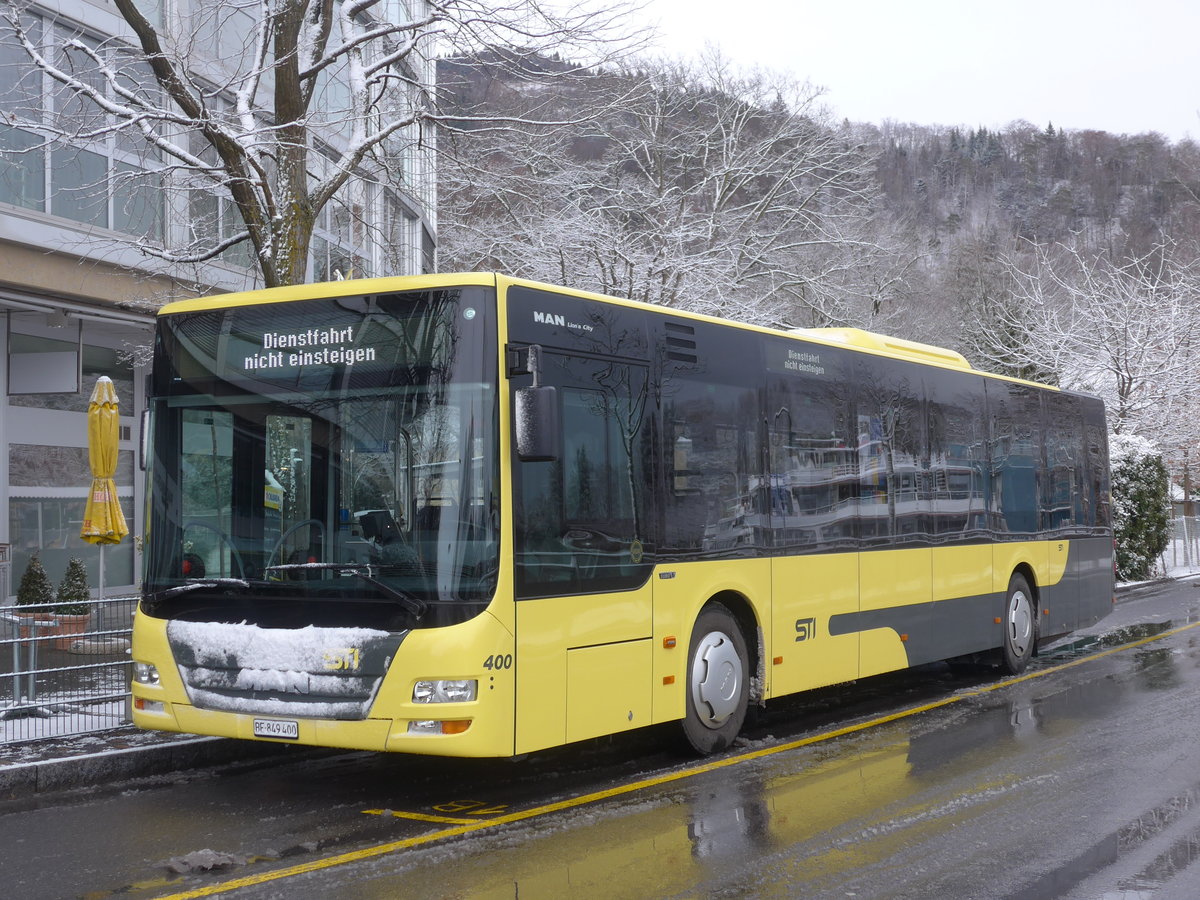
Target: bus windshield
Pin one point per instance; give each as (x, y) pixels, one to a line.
(328, 462)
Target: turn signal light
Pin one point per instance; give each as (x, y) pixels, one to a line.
(151, 706)
(436, 726)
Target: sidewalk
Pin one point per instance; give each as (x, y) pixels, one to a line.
(101, 758)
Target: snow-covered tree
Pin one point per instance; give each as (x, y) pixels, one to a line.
(36, 590)
(1141, 505)
(258, 118)
(73, 593)
(704, 188)
(1123, 329)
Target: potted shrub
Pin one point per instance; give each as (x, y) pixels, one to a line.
(74, 607)
(35, 594)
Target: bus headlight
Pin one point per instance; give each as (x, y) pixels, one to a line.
(446, 690)
(144, 673)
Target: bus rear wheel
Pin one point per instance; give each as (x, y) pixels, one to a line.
(1020, 626)
(718, 681)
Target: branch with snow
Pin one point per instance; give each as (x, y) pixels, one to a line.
(281, 106)
(690, 186)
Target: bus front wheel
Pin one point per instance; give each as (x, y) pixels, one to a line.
(1020, 626)
(718, 682)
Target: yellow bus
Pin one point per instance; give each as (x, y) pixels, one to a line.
(504, 516)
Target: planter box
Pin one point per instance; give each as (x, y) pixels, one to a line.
(65, 629)
(69, 628)
(45, 622)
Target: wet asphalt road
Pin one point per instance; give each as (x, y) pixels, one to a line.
(1081, 780)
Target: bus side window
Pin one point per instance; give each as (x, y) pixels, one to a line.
(581, 521)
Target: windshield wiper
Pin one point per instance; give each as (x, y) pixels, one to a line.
(201, 583)
(411, 602)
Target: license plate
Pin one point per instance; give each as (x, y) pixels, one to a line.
(276, 728)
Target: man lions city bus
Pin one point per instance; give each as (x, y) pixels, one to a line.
(476, 516)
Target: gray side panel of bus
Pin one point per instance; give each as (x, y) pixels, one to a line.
(964, 625)
(936, 630)
(1090, 565)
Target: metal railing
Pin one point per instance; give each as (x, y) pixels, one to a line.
(62, 675)
(1183, 546)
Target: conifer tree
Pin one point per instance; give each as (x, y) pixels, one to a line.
(36, 591)
(73, 593)
(1141, 506)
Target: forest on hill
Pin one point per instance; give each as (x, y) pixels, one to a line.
(1120, 193)
(1065, 256)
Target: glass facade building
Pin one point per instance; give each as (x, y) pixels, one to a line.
(77, 295)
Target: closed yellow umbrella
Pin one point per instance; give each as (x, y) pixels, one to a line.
(103, 521)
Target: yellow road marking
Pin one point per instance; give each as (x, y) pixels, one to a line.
(353, 856)
(420, 817)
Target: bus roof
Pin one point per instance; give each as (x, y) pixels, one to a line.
(882, 343)
(319, 289)
(855, 338)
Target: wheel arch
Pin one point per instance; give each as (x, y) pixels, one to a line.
(744, 615)
(1025, 570)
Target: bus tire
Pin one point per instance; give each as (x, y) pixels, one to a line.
(718, 682)
(1020, 626)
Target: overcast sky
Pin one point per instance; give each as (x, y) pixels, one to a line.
(1124, 66)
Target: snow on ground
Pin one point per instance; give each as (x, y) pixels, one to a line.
(1181, 559)
(53, 716)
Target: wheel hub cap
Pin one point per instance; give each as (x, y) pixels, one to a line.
(1020, 623)
(716, 679)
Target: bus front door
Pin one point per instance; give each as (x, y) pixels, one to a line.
(584, 603)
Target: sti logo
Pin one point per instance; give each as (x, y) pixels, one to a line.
(545, 318)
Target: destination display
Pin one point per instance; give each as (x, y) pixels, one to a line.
(794, 359)
(312, 347)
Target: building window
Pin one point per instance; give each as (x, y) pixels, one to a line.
(80, 186)
(64, 358)
(48, 482)
(343, 234)
(103, 179)
(48, 527)
(22, 169)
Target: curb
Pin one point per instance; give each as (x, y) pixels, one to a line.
(158, 757)
(1138, 587)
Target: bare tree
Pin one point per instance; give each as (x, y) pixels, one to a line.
(705, 189)
(278, 110)
(1125, 330)
(995, 317)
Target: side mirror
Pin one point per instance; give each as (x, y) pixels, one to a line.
(144, 439)
(536, 418)
(535, 414)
